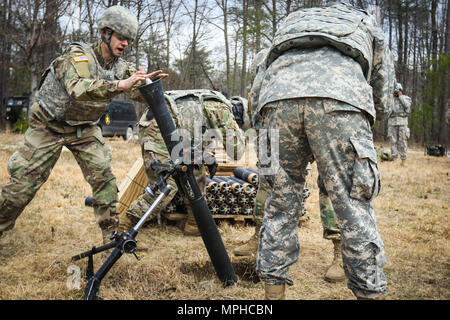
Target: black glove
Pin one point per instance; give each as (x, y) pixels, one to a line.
(212, 165)
(149, 116)
(238, 112)
(212, 169)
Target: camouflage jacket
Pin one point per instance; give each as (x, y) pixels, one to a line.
(193, 112)
(401, 106)
(78, 85)
(333, 52)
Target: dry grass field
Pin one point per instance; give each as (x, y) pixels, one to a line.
(412, 212)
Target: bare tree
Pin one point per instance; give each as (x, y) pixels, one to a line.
(168, 10)
(197, 15)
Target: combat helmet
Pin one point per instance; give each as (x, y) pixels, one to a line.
(398, 87)
(118, 19)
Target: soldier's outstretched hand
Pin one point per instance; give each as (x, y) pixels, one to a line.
(140, 75)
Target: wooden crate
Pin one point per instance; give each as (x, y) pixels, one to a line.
(133, 186)
(136, 181)
(236, 219)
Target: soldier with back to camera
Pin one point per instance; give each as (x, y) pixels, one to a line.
(326, 79)
(334, 272)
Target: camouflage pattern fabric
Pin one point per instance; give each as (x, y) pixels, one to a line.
(150, 136)
(189, 109)
(339, 138)
(398, 131)
(88, 80)
(31, 166)
(260, 200)
(302, 66)
(79, 84)
(383, 155)
(327, 215)
(120, 20)
(258, 69)
(323, 96)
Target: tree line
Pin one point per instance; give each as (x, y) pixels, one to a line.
(212, 43)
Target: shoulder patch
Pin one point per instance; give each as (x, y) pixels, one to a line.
(80, 58)
(81, 65)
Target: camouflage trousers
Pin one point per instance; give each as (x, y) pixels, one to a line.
(327, 214)
(338, 137)
(398, 137)
(31, 165)
(140, 205)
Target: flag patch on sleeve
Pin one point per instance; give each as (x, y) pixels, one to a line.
(80, 58)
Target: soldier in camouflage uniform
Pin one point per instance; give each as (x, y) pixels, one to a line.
(73, 94)
(196, 111)
(334, 272)
(327, 78)
(398, 131)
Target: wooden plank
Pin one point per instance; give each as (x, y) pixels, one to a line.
(232, 216)
(133, 185)
(175, 216)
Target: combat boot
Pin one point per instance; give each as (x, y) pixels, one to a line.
(190, 227)
(403, 163)
(335, 272)
(249, 248)
(275, 292)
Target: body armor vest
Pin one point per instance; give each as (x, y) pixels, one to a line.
(54, 98)
(339, 26)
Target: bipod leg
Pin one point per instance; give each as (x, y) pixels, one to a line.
(124, 243)
(90, 267)
(91, 291)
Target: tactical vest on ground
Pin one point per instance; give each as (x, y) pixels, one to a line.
(53, 97)
(187, 105)
(339, 26)
(190, 114)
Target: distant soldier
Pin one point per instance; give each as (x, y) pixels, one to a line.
(191, 110)
(398, 131)
(73, 94)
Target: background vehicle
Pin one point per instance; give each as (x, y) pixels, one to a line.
(15, 106)
(119, 120)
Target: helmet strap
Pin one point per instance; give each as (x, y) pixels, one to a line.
(107, 39)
